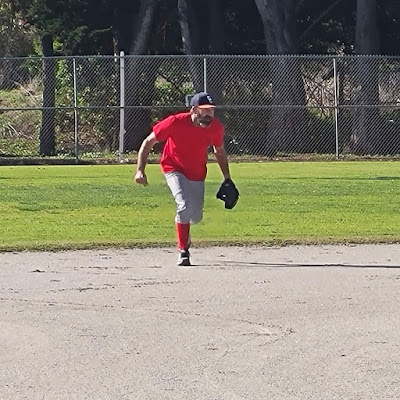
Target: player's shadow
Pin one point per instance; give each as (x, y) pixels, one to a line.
(301, 265)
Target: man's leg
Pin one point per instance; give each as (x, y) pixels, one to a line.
(180, 189)
(197, 201)
(182, 233)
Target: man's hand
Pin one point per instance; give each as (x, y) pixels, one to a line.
(147, 145)
(141, 178)
(228, 193)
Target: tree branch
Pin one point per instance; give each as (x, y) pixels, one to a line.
(319, 19)
(144, 22)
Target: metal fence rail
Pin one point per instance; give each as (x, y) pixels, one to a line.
(272, 106)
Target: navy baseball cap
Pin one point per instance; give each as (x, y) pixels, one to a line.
(202, 100)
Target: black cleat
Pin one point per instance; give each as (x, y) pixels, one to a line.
(184, 258)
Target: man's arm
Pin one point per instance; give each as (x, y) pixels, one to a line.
(143, 154)
(222, 160)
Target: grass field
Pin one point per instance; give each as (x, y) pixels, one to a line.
(63, 207)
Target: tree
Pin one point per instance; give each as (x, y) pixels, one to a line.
(78, 27)
(326, 26)
(189, 23)
(286, 126)
(217, 29)
(15, 37)
(389, 26)
(15, 40)
(140, 76)
(366, 119)
(36, 14)
(243, 28)
(47, 136)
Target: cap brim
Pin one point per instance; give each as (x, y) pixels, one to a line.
(206, 106)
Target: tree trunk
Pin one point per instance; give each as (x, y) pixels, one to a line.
(47, 130)
(216, 46)
(140, 78)
(190, 40)
(366, 125)
(287, 126)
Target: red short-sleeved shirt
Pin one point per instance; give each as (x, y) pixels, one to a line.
(186, 145)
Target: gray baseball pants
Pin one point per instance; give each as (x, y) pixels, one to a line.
(189, 197)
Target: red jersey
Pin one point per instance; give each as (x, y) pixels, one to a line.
(186, 145)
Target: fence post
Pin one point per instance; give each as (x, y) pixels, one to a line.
(335, 88)
(205, 74)
(121, 106)
(76, 139)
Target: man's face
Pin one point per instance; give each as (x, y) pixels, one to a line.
(202, 116)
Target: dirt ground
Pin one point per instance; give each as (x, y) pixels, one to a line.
(298, 322)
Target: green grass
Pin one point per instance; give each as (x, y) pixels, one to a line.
(61, 207)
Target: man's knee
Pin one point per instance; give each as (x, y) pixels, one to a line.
(196, 218)
(183, 214)
(187, 213)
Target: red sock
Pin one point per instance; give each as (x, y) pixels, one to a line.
(182, 232)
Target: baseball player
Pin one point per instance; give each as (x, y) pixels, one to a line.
(187, 137)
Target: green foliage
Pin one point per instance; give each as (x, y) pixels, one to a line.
(77, 26)
(97, 26)
(247, 134)
(18, 129)
(15, 38)
(98, 129)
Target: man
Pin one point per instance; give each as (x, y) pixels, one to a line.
(187, 137)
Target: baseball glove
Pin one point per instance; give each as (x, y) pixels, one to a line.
(228, 193)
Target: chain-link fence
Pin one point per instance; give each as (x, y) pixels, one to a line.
(102, 107)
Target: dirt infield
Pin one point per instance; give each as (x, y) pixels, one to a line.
(299, 322)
